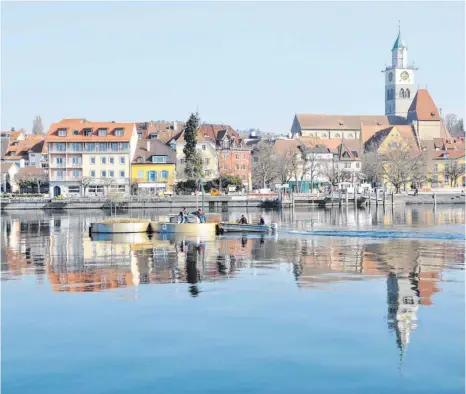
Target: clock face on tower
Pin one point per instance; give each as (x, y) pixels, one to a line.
(390, 77)
(404, 76)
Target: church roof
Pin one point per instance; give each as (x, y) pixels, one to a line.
(399, 43)
(345, 122)
(424, 106)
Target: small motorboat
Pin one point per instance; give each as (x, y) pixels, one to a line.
(230, 227)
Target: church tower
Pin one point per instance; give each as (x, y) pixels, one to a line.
(399, 80)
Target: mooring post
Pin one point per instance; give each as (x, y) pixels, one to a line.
(384, 196)
(393, 197)
(339, 198)
(346, 197)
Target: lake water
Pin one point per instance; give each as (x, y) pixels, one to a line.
(338, 301)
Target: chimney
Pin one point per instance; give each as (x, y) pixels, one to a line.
(175, 126)
(148, 145)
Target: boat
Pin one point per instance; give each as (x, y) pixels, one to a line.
(129, 225)
(231, 227)
(199, 229)
(120, 225)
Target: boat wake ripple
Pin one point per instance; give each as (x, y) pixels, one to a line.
(380, 234)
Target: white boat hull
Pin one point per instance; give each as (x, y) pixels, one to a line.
(246, 228)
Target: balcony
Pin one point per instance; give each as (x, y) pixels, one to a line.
(58, 165)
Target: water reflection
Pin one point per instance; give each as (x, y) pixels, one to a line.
(58, 251)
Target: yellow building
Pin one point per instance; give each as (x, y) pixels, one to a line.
(447, 169)
(153, 167)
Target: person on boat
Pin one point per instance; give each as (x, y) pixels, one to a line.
(181, 217)
(200, 215)
(243, 220)
(185, 215)
(261, 221)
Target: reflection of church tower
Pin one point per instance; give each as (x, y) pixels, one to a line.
(403, 303)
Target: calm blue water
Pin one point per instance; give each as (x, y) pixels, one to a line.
(338, 301)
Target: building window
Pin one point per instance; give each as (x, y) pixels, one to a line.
(111, 174)
(151, 176)
(208, 173)
(90, 146)
(76, 174)
(61, 132)
(103, 160)
(103, 174)
(73, 189)
(256, 159)
(102, 132)
(111, 160)
(402, 93)
(60, 147)
(225, 167)
(243, 166)
(204, 147)
(118, 132)
(92, 160)
(114, 146)
(140, 174)
(164, 174)
(159, 159)
(183, 161)
(88, 132)
(358, 165)
(122, 174)
(237, 156)
(347, 165)
(76, 161)
(122, 160)
(102, 147)
(237, 166)
(139, 136)
(408, 93)
(59, 160)
(76, 132)
(93, 174)
(435, 167)
(206, 162)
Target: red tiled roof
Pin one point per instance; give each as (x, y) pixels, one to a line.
(80, 125)
(424, 106)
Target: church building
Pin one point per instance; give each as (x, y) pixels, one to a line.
(404, 106)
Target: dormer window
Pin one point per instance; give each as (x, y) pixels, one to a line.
(75, 132)
(102, 132)
(432, 114)
(61, 132)
(140, 159)
(153, 136)
(159, 159)
(139, 136)
(118, 132)
(340, 123)
(88, 132)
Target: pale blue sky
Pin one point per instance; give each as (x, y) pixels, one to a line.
(247, 64)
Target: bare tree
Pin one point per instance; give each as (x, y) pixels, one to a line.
(452, 172)
(453, 124)
(264, 169)
(31, 180)
(372, 164)
(310, 167)
(107, 182)
(85, 182)
(335, 174)
(402, 166)
(286, 162)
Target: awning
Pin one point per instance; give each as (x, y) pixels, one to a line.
(153, 185)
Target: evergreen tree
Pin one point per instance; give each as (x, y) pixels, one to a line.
(37, 127)
(193, 167)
